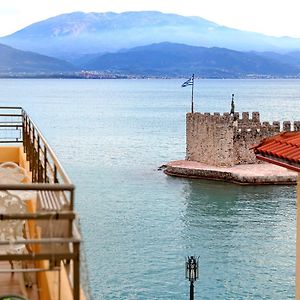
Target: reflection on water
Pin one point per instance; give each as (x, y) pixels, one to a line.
(245, 237)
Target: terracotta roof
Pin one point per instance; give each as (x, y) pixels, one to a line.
(282, 149)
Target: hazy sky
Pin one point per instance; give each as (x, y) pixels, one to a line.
(272, 17)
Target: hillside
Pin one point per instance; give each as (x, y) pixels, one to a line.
(161, 60)
(170, 59)
(14, 61)
(69, 36)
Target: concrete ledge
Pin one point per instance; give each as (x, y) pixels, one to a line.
(253, 174)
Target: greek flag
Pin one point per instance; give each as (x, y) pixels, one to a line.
(188, 82)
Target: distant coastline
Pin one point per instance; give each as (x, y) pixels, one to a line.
(101, 75)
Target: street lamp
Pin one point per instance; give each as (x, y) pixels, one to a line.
(191, 273)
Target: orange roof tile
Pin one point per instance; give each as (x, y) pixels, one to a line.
(282, 149)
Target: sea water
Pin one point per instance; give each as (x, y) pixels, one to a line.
(138, 224)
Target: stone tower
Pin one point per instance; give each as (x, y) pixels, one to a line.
(225, 140)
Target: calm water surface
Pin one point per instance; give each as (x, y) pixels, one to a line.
(138, 224)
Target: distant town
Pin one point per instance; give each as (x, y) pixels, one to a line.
(107, 75)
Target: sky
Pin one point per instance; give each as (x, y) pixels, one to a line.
(271, 17)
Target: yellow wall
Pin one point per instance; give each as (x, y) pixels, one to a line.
(15, 154)
(24, 163)
(8, 153)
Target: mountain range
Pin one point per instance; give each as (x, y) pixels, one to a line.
(71, 35)
(146, 44)
(17, 61)
(170, 59)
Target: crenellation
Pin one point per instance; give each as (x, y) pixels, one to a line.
(264, 129)
(255, 117)
(209, 118)
(266, 124)
(202, 117)
(286, 126)
(276, 126)
(226, 117)
(199, 117)
(217, 117)
(236, 116)
(273, 129)
(296, 125)
(245, 117)
(224, 140)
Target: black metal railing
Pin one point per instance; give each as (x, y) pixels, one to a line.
(11, 124)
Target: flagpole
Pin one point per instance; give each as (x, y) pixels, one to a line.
(193, 95)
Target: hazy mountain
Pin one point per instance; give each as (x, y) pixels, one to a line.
(170, 59)
(13, 60)
(161, 59)
(70, 35)
(291, 58)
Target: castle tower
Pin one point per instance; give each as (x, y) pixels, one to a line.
(225, 140)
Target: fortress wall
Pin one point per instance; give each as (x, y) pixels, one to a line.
(249, 132)
(209, 138)
(225, 140)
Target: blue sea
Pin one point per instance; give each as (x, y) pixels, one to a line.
(138, 224)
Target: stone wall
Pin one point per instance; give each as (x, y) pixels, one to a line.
(224, 140)
(209, 138)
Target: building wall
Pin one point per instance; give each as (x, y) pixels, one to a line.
(224, 140)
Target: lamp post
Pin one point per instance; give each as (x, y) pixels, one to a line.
(191, 273)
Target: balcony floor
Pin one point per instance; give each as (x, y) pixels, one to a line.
(11, 284)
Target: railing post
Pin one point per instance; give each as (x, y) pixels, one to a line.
(45, 163)
(71, 209)
(30, 148)
(39, 158)
(26, 134)
(23, 128)
(33, 156)
(76, 272)
(26, 138)
(55, 174)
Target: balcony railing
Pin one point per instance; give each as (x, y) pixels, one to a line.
(50, 218)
